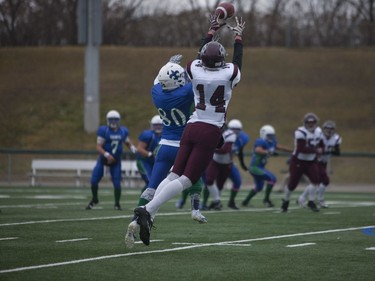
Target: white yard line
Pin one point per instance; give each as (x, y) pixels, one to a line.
(73, 240)
(8, 238)
(180, 249)
(300, 245)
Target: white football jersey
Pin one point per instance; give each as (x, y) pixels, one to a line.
(329, 144)
(226, 158)
(312, 140)
(212, 91)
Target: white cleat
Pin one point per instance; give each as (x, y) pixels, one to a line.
(322, 204)
(197, 216)
(130, 234)
(301, 202)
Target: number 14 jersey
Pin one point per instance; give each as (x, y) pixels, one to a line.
(212, 91)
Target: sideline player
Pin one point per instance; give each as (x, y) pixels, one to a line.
(110, 139)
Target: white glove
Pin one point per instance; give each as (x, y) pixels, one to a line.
(133, 149)
(238, 29)
(215, 23)
(176, 59)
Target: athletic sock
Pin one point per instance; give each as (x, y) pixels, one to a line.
(268, 191)
(250, 195)
(94, 191)
(117, 193)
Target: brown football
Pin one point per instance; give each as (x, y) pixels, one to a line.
(225, 10)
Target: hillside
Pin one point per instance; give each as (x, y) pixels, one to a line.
(41, 92)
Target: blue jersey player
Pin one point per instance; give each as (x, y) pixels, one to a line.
(148, 142)
(237, 149)
(173, 98)
(264, 146)
(110, 139)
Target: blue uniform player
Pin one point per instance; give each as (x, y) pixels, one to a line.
(173, 98)
(237, 149)
(148, 142)
(110, 139)
(264, 146)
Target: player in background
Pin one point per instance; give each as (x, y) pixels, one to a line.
(235, 176)
(109, 144)
(237, 149)
(148, 141)
(173, 97)
(264, 147)
(219, 168)
(308, 146)
(331, 141)
(212, 80)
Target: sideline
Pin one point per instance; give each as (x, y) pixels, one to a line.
(183, 248)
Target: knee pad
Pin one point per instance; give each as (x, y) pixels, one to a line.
(186, 183)
(148, 194)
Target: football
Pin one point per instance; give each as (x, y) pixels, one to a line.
(225, 10)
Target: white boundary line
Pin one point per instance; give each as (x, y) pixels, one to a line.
(181, 248)
(300, 245)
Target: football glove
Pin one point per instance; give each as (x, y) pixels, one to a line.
(238, 29)
(215, 23)
(176, 59)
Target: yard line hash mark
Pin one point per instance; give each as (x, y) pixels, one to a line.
(179, 249)
(300, 245)
(73, 240)
(8, 238)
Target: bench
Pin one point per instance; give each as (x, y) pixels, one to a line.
(79, 169)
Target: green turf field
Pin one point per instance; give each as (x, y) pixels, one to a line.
(46, 234)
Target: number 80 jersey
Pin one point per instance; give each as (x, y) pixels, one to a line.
(212, 91)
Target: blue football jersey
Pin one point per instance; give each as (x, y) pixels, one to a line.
(151, 138)
(240, 142)
(260, 160)
(174, 108)
(113, 139)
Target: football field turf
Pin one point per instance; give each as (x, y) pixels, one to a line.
(46, 234)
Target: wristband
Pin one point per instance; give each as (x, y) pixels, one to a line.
(149, 154)
(106, 154)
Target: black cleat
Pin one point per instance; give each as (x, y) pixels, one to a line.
(232, 205)
(215, 205)
(92, 204)
(268, 203)
(145, 224)
(284, 206)
(117, 207)
(312, 206)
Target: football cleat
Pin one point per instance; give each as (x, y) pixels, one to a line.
(301, 202)
(197, 216)
(284, 206)
(322, 204)
(145, 224)
(312, 206)
(92, 204)
(232, 205)
(130, 234)
(215, 205)
(118, 207)
(180, 204)
(268, 203)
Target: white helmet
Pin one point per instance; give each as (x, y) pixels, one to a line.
(113, 119)
(267, 132)
(235, 124)
(156, 124)
(171, 76)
